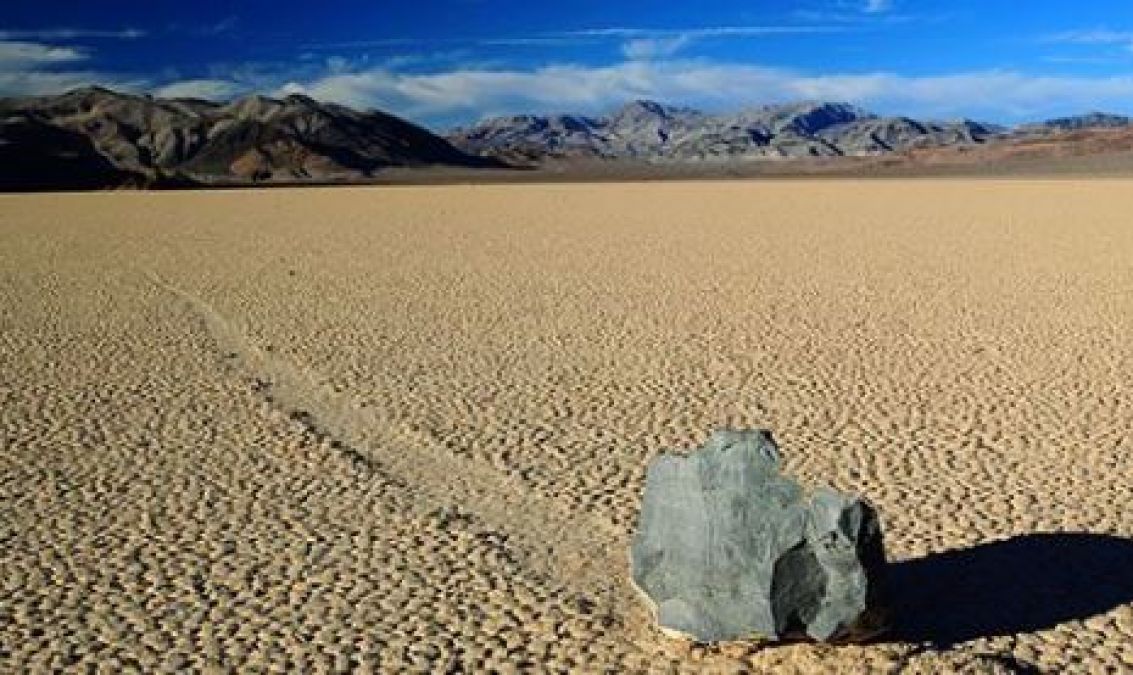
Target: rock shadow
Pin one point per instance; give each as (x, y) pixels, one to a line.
(1022, 584)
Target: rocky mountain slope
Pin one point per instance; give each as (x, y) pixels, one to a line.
(102, 138)
(36, 155)
(646, 130)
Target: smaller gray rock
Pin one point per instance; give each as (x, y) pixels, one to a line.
(727, 548)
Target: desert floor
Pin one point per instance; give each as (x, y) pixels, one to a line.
(406, 427)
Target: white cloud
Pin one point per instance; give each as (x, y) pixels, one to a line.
(647, 43)
(1084, 60)
(71, 34)
(575, 88)
(211, 89)
(553, 40)
(652, 48)
(877, 6)
(337, 64)
(19, 54)
(33, 68)
(697, 33)
(571, 38)
(35, 83)
(225, 25)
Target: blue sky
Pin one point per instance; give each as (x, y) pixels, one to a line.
(448, 62)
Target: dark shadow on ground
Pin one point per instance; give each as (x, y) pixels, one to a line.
(1023, 584)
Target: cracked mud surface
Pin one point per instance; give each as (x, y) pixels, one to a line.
(406, 428)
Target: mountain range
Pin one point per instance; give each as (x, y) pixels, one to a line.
(94, 138)
(646, 130)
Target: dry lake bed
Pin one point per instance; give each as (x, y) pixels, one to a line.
(405, 428)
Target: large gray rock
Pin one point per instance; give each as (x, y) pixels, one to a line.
(727, 548)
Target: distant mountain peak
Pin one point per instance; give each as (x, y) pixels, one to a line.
(300, 99)
(1089, 120)
(646, 106)
(95, 90)
(643, 109)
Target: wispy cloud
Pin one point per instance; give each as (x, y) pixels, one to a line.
(21, 54)
(366, 44)
(860, 12)
(32, 62)
(1084, 60)
(587, 36)
(646, 43)
(222, 27)
(652, 43)
(71, 34)
(1092, 36)
(35, 82)
(542, 40)
(652, 48)
(30, 68)
(205, 88)
(704, 32)
(1096, 36)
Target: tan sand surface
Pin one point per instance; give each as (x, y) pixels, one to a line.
(406, 428)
